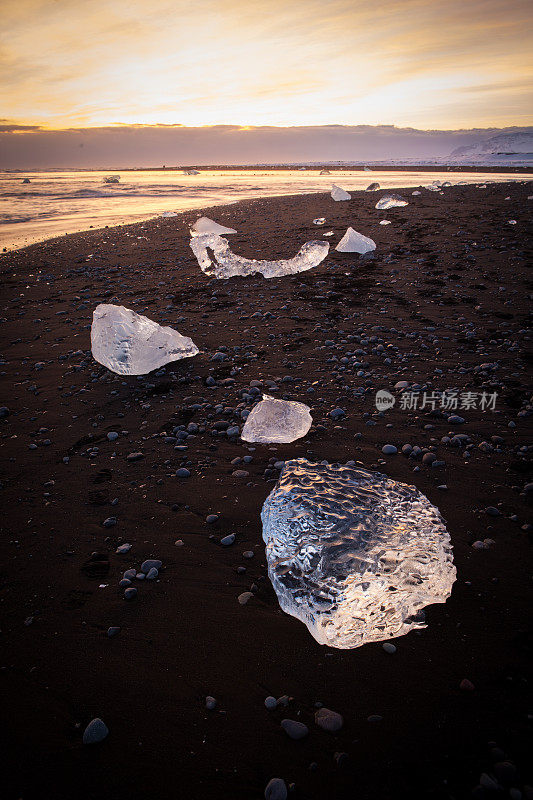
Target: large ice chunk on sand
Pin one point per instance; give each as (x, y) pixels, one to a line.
(226, 264)
(206, 225)
(353, 554)
(391, 201)
(130, 344)
(339, 194)
(354, 242)
(277, 421)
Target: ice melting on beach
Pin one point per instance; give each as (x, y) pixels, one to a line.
(112, 179)
(277, 421)
(354, 242)
(130, 344)
(372, 187)
(206, 225)
(391, 201)
(228, 265)
(339, 194)
(353, 554)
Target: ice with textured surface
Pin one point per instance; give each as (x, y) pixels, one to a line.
(130, 344)
(226, 264)
(277, 421)
(354, 242)
(391, 201)
(339, 194)
(206, 225)
(353, 554)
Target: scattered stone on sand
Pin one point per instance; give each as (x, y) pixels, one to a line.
(294, 729)
(329, 720)
(276, 789)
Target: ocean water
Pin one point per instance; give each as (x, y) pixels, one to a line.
(56, 203)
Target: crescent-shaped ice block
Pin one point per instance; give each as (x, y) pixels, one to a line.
(130, 344)
(277, 421)
(226, 264)
(353, 554)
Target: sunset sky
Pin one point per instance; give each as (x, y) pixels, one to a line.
(420, 63)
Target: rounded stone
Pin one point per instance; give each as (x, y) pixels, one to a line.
(96, 731)
(293, 729)
(329, 720)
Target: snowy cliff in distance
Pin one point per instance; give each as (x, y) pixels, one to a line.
(513, 149)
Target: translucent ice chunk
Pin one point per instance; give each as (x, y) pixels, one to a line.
(372, 187)
(190, 172)
(325, 172)
(130, 344)
(354, 242)
(112, 179)
(277, 421)
(227, 265)
(353, 554)
(391, 201)
(319, 221)
(206, 225)
(385, 222)
(169, 214)
(339, 194)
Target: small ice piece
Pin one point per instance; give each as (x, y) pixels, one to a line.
(190, 172)
(354, 242)
(130, 344)
(329, 233)
(319, 221)
(25, 180)
(206, 225)
(228, 265)
(415, 193)
(169, 214)
(372, 187)
(339, 194)
(391, 201)
(112, 179)
(325, 172)
(384, 222)
(354, 555)
(367, 169)
(277, 421)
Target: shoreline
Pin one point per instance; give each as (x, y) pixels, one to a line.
(142, 220)
(442, 303)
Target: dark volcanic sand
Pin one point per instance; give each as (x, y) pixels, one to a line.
(448, 264)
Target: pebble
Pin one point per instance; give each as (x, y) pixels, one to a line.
(328, 720)
(389, 648)
(227, 540)
(294, 729)
(248, 554)
(244, 597)
(123, 548)
(389, 449)
(211, 518)
(114, 630)
(276, 789)
(96, 731)
(466, 685)
(152, 574)
(182, 472)
(271, 703)
(151, 563)
(134, 456)
(130, 593)
(112, 436)
(210, 703)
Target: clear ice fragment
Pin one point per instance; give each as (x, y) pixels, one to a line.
(372, 187)
(206, 225)
(277, 421)
(354, 242)
(130, 344)
(339, 194)
(190, 172)
(352, 554)
(391, 201)
(169, 214)
(325, 172)
(226, 264)
(319, 221)
(112, 179)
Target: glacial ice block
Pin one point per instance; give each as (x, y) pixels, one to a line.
(277, 421)
(226, 264)
(372, 187)
(130, 344)
(206, 225)
(391, 201)
(339, 194)
(352, 554)
(354, 242)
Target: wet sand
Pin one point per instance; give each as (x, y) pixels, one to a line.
(443, 302)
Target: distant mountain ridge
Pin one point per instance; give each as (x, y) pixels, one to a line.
(503, 144)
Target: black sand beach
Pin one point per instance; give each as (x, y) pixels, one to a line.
(442, 303)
